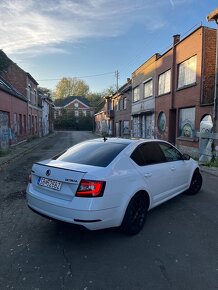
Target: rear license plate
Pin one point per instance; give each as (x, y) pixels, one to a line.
(50, 183)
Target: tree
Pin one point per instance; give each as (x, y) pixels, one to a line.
(109, 91)
(96, 101)
(47, 92)
(71, 87)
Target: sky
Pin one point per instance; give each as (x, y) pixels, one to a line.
(92, 39)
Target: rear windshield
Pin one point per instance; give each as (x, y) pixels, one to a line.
(90, 153)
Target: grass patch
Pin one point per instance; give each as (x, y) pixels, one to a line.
(3, 152)
(212, 163)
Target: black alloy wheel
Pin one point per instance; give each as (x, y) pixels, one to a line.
(196, 183)
(135, 216)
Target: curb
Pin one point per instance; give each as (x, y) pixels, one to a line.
(209, 170)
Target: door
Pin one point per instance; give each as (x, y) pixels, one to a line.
(151, 164)
(178, 167)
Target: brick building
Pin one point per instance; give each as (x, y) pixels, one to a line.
(77, 105)
(122, 111)
(143, 99)
(13, 115)
(26, 85)
(185, 88)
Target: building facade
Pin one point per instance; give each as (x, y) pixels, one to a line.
(143, 99)
(77, 105)
(185, 77)
(172, 93)
(13, 115)
(122, 111)
(26, 85)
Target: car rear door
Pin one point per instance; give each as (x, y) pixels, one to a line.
(151, 164)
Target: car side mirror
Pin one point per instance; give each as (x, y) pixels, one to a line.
(186, 156)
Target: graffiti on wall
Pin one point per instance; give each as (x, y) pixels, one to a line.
(4, 137)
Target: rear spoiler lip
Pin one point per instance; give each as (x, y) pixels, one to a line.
(38, 163)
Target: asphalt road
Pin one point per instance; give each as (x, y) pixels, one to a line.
(177, 249)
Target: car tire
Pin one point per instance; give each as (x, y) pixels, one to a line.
(195, 184)
(135, 215)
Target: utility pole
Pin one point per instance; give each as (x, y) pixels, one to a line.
(117, 78)
(213, 16)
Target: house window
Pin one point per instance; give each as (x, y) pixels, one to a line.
(187, 72)
(187, 122)
(76, 105)
(29, 92)
(116, 105)
(120, 104)
(164, 83)
(35, 97)
(136, 94)
(76, 113)
(124, 103)
(84, 113)
(148, 89)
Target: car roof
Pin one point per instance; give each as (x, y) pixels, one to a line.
(123, 140)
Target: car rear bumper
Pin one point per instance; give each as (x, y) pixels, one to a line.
(66, 211)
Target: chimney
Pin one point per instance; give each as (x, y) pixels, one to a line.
(176, 39)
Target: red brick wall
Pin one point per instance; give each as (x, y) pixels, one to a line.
(209, 65)
(195, 44)
(17, 77)
(11, 104)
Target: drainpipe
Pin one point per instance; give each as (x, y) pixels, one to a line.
(176, 39)
(213, 16)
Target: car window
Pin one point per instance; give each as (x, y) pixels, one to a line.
(170, 152)
(148, 153)
(91, 153)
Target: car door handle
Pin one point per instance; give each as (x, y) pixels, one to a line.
(173, 168)
(148, 174)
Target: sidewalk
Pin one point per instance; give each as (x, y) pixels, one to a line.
(19, 150)
(209, 170)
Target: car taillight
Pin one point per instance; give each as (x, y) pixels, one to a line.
(90, 188)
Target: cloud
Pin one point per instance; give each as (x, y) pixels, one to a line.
(41, 26)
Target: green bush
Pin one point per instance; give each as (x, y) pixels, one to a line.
(70, 122)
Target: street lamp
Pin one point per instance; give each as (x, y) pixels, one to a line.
(213, 16)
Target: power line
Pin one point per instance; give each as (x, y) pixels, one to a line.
(81, 77)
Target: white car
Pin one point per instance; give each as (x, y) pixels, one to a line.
(112, 182)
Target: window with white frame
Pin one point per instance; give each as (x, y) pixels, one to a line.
(84, 113)
(76, 113)
(124, 103)
(164, 82)
(136, 94)
(29, 92)
(187, 72)
(148, 88)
